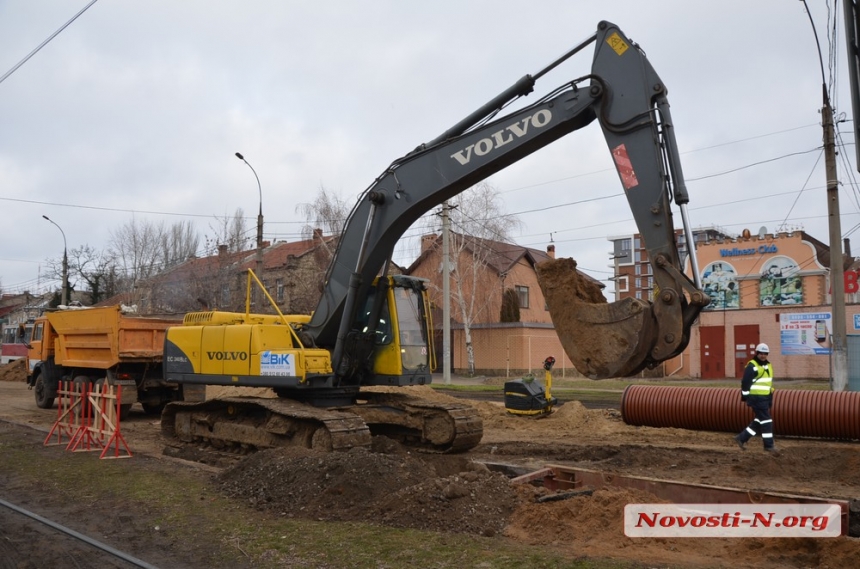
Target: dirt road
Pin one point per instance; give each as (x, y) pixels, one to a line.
(451, 494)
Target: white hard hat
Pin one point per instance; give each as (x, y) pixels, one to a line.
(762, 349)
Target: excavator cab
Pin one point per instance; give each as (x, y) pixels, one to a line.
(397, 319)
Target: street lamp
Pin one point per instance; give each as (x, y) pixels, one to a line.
(64, 299)
(259, 220)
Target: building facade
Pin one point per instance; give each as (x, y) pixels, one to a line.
(482, 270)
(631, 266)
(765, 287)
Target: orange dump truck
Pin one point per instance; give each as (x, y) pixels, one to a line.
(94, 345)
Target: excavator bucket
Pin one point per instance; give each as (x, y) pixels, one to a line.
(602, 339)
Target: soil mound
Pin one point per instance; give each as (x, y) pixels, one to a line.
(14, 371)
(384, 485)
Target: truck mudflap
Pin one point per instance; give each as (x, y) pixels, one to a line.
(425, 425)
(246, 424)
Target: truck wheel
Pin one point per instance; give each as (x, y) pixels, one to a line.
(41, 391)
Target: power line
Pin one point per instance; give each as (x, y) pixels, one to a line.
(44, 43)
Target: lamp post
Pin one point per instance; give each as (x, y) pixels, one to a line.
(64, 297)
(259, 220)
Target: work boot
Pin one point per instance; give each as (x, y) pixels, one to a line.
(740, 442)
(772, 450)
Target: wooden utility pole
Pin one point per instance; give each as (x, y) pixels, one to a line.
(838, 358)
(446, 296)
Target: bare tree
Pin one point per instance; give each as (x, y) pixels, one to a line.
(479, 222)
(328, 212)
(179, 243)
(135, 247)
(324, 220)
(95, 268)
(142, 249)
(229, 231)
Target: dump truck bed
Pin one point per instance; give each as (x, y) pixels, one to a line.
(103, 337)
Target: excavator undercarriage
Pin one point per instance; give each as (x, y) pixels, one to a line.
(246, 424)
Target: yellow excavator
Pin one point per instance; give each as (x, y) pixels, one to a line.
(373, 329)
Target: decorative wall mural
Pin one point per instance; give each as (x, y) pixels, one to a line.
(720, 282)
(780, 283)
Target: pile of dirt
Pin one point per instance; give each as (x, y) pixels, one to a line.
(383, 485)
(571, 417)
(14, 371)
(591, 524)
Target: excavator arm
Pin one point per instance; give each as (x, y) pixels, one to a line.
(627, 98)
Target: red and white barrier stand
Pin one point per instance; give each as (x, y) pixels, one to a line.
(106, 422)
(70, 402)
(82, 439)
(90, 416)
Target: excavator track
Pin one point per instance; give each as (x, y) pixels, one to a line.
(251, 423)
(428, 426)
(246, 424)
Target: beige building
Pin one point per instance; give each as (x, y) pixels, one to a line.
(771, 288)
(482, 271)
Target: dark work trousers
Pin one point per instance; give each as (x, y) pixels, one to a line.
(762, 424)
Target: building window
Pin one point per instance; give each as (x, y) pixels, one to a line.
(637, 256)
(638, 269)
(638, 283)
(523, 296)
(622, 284)
(279, 290)
(637, 243)
(639, 294)
(621, 251)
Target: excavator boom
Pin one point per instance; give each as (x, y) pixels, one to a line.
(628, 99)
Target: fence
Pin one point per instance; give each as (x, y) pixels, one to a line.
(89, 415)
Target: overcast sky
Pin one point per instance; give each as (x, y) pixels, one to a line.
(136, 109)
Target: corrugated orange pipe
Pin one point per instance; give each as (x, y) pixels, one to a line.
(801, 413)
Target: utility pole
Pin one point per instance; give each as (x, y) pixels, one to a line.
(839, 359)
(446, 297)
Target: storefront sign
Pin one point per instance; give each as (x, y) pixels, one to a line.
(805, 334)
(760, 250)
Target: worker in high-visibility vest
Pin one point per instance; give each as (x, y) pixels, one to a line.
(757, 392)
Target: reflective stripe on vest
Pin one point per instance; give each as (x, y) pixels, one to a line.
(763, 381)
